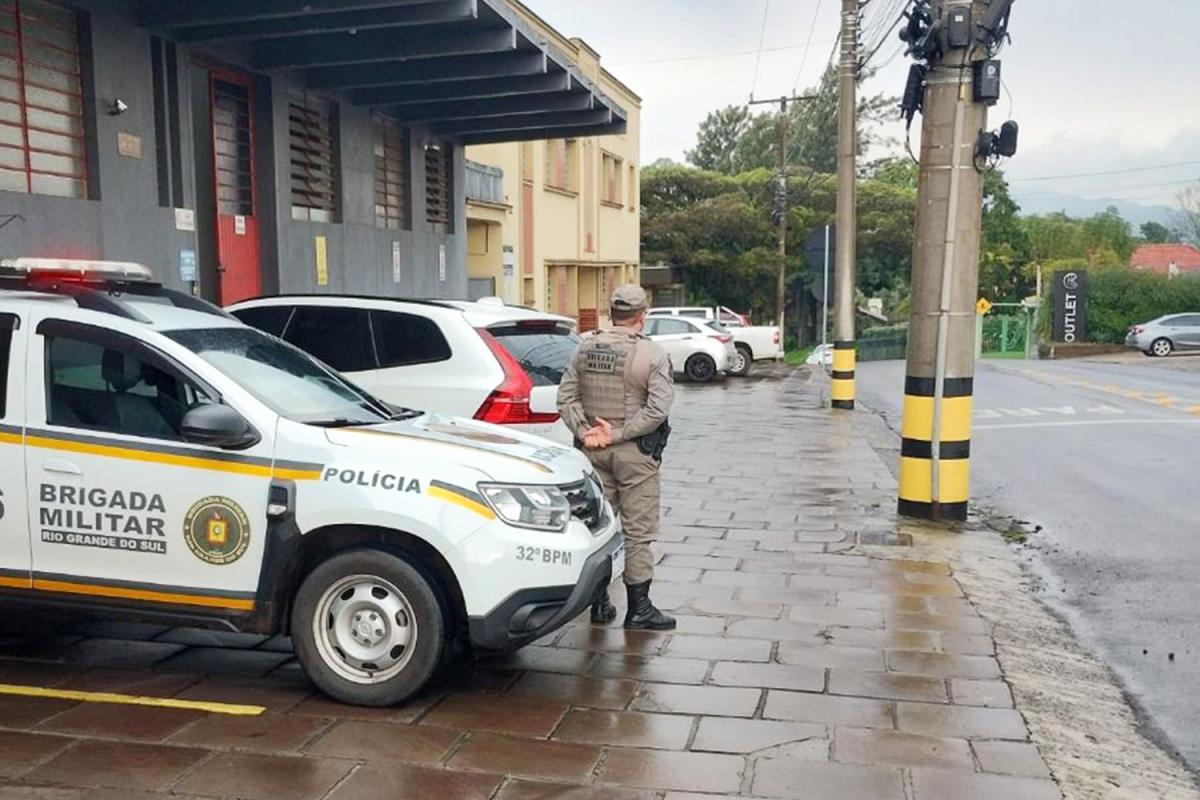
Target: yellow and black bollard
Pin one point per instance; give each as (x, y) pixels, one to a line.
(948, 475)
(842, 393)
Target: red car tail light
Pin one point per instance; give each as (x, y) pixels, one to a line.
(508, 404)
(722, 339)
(776, 337)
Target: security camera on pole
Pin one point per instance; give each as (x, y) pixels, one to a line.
(954, 82)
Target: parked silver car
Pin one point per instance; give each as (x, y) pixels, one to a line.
(1162, 336)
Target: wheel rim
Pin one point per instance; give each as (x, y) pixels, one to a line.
(739, 361)
(702, 369)
(365, 629)
(1162, 347)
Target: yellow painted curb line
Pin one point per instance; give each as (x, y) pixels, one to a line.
(131, 700)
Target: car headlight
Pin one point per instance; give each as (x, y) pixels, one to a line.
(542, 508)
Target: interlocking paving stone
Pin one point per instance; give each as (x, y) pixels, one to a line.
(267, 733)
(500, 755)
(937, 622)
(967, 644)
(993, 694)
(618, 640)
(827, 710)
(120, 721)
(653, 769)
(272, 695)
(145, 682)
(575, 690)
(946, 666)
(545, 659)
(909, 604)
(868, 746)
(863, 659)
(118, 652)
(626, 729)
(929, 784)
(254, 776)
(747, 736)
(318, 705)
(884, 640)
(779, 630)
(1010, 758)
(742, 579)
(524, 716)
(20, 752)
(700, 562)
(25, 712)
(771, 676)
(805, 780)
(532, 790)
(375, 741)
(847, 617)
(708, 700)
(718, 647)
(224, 661)
(964, 721)
(737, 608)
(656, 669)
(117, 764)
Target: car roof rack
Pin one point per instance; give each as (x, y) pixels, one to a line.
(97, 285)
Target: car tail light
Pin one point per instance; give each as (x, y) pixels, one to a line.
(508, 404)
(721, 339)
(1136, 329)
(775, 338)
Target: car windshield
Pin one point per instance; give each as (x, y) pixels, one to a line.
(718, 327)
(543, 348)
(289, 381)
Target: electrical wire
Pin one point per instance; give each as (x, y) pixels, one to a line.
(711, 56)
(1109, 172)
(804, 58)
(762, 38)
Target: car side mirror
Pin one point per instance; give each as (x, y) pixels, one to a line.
(217, 426)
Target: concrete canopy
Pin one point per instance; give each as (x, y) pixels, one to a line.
(470, 69)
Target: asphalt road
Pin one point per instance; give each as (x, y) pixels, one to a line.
(1104, 455)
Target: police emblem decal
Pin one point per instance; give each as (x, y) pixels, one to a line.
(216, 530)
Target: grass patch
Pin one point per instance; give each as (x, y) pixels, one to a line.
(797, 356)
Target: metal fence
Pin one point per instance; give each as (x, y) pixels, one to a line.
(485, 183)
(886, 346)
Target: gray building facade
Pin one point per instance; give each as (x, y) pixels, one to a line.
(262, 146)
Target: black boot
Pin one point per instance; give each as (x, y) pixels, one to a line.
(603, 611)
(642, 615)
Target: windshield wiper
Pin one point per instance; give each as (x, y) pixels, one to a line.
(342, 422)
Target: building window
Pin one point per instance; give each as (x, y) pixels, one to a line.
(43, 147)
(613, 171)
(167, 126)
(439, 191)
(391, 174)
(314, 166)
(562, 160)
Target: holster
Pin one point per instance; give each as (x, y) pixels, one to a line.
(654, 443)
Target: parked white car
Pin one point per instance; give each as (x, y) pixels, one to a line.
(699, 349)
(751, 342)
(821, 355)
(484, 360)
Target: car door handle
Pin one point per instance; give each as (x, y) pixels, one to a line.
(60, 467)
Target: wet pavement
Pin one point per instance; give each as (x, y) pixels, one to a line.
(800, 669)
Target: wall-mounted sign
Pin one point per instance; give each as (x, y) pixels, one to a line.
(239, 225)
(396, 262)
(442, 262)
(129, 145)
(322, 262)
(185, 219)
(187, 266)
(1070, 306)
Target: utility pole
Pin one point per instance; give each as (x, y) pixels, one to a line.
(844, 302)
(936, 429)
(780, 206)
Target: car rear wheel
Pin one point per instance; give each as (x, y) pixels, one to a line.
(742, 361)
(368, 628)
(700, 368)
(1161, 347)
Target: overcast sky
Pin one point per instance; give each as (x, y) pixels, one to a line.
(1097, 85)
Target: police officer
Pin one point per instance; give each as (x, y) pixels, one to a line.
(615, 397)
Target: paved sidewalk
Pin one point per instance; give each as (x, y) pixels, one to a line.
(799, 670)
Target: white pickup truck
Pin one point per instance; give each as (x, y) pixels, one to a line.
(752, 342)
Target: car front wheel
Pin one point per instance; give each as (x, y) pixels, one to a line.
(1162, 347)
(368, 628)
(700, 368)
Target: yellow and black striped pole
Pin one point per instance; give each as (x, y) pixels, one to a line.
(842, 393)
(950, 472)
(935, 458)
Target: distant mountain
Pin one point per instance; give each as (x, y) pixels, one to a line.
(1075, 206)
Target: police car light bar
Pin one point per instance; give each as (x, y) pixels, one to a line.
(77, 269)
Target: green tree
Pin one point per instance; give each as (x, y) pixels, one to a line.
(1157, 233)
(1187, 217)
(718, 137)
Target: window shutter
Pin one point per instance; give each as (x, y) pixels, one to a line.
(391, 174)
(438, 190)
(314, 182)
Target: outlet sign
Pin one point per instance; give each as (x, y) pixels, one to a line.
(1070, 306)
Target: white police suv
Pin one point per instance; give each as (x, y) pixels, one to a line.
(160, 459)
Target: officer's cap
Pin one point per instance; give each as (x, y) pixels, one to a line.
(629, 297)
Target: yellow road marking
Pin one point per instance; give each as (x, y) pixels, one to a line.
(131, 700)
(1194, 410)
(1165, 400)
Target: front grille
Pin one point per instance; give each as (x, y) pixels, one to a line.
(587, 503)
